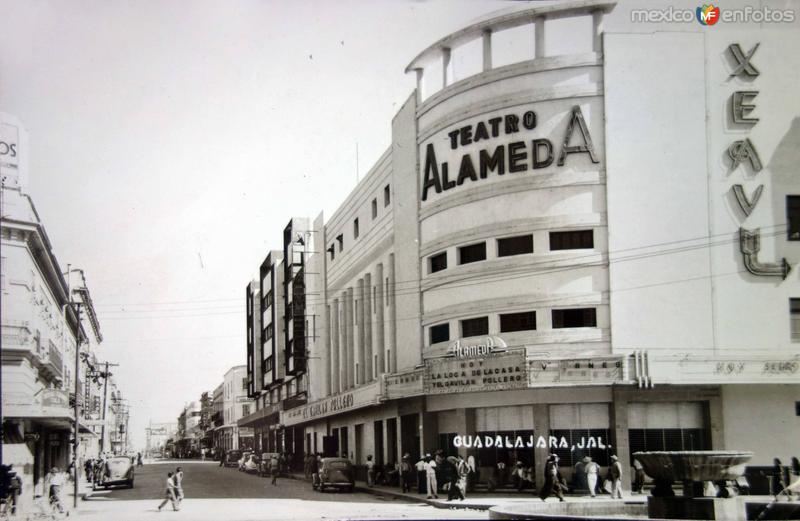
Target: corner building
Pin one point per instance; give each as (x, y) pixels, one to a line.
(552, 248)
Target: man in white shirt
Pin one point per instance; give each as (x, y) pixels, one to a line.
(169, 494)
(54, 481)
(178, 478)
(430, 473)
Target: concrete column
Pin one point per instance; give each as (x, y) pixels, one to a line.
(420, 72)
(391, 345)
(715, 423)
(541, 425)
(380, 340)
(398, 453)
(429, 437)
(334, 336)
(620, 444)
(361, 361)
(597, 31)
(487, 50)
(386, 452)
(538, 46)
(466, 425)
(445, 65)
(328, 361)
(366, 319)
(350, 344)
(343, 341)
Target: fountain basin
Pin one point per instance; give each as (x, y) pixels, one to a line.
(700, 465)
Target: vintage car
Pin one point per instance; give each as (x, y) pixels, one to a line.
(251, 464)
(334, 473)
(116, 471)
(232, 458)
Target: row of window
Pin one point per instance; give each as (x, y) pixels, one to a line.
(519, 245)
(387, 198)
(511, 322)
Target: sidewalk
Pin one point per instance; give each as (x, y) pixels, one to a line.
(481, 500)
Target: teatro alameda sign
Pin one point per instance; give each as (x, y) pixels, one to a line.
(481, 365)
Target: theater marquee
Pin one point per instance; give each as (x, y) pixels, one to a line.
(490, 373)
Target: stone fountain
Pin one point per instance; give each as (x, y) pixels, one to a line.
(694, 469)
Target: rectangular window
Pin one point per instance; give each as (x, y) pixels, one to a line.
(244, 384)
(794, 310)
(387, 195)
(577, 240)
(793, 217)
(440, 333)
(438, 262)
(332, 251)
(386, 293)
(578, 317)
(355, 228)
(374, 208)
(514, 245)
(472, 253)
(475, 327)
(245, 410)
(511, 322)
(340, 239)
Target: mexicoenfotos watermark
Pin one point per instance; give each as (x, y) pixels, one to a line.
(529, 442)
(709, 14)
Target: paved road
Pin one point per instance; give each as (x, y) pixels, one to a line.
(214, 493)
(208, 480)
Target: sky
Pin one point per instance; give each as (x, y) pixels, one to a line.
(171, 142)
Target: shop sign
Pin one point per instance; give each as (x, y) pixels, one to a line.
(705, 370)
(547, 372)
(493, 373)
(520, 151)
(489, 346)
(403, 385)
(245, 432)
(55, 398)
(361, 397)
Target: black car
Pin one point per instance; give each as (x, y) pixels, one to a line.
(232, 458)
(335, 473)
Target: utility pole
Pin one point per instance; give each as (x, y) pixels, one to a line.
(106, 376)
(75, 426)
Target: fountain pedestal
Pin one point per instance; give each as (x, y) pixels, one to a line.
(692, 468)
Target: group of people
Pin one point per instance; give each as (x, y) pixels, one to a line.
(174, 491)
(391, 474)
(452, 471)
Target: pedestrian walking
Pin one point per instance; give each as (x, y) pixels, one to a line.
(178, 478)
(88, 467)
(778, 483)
(451, 472)
(405, 473)
(53, 482)
(430, 475)
(14, 490)
(553, 482)
(138, 459)
(421, 476)
(463, 472)
(169, 494)
(221, 457)
(615, 476)
(638, 476)
(274, 467)
(370, 471)
(592, 471)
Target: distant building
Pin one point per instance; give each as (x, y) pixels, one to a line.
(236, 405)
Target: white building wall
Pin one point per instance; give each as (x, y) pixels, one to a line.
(657, 192)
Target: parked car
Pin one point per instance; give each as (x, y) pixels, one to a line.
(252, 464)
(243, 459)
(116, 471)
(335, 473)
(265, 467)
(232, 458)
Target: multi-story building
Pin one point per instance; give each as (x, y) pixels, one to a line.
(45, 323)
(586, 248)
(217, 416)
(235, 405)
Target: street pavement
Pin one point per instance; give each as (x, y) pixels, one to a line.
(214, 493)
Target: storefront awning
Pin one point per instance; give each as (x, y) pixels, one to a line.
(57, 418)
